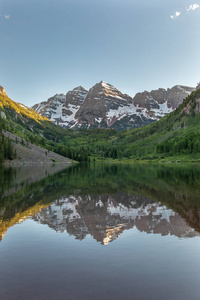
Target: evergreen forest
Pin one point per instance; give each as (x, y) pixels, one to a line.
(175, 137)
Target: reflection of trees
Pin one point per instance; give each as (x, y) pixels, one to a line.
(7, 177)
(23, 194)
(175, 186)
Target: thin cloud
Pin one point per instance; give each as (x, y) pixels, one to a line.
(193, 7)
(176, 15)
(7, 16)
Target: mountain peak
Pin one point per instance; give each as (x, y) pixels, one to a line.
(104, 106)
(103, 83)
(79, 88)
(106, 89)
(106, 85)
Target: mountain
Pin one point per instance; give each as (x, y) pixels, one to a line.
(161, 99)
(105, 217)
(174, 137)
(104, 106)
(61, 109)
(26, 136)
(26, 122)
(103, 200)
(15, 110)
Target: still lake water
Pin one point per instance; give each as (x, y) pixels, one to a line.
(100, 232)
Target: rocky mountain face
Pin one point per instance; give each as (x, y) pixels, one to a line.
(106, 217)
(61, 109)
(171, 97)
(104, 106)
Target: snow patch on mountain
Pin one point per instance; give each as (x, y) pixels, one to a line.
(162, 110)
(104, 106)
(105, 217)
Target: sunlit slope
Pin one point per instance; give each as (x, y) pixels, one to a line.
(9, 107)
(24, 121)
(19, 217)
(176, 135)
(22, 192)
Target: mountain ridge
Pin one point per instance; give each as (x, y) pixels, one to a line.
(174, 135)
(104, 106)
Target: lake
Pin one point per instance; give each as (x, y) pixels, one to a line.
(100, 231)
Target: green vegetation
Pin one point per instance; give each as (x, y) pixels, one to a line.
(31, 127)
(6, 147)
(176, 186)
(174, 137)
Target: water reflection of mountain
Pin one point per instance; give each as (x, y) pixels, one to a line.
(119, 199)
(106, 217)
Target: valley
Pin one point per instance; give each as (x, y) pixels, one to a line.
(175, 137)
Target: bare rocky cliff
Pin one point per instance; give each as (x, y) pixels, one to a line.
(61, 108)
(104, 106)
(173, 97)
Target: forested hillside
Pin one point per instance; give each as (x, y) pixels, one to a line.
(31, 127)
(176, 135)
(6, 147)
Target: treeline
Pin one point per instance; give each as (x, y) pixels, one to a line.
(6, 146)
(84, 154)
(179, 132)
(186, 145)
(79, 154)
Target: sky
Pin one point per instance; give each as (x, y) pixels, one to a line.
(49, 47)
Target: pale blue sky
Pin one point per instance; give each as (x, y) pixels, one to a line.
(52, 46)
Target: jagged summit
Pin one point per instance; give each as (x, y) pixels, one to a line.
(104, 106)
(108, 90)
(61, 108)
(79, 88)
